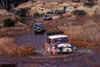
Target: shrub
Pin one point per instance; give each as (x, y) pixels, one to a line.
(41, 15)
(76, 0)
(36, 14)
(42, 10)
(75, 6)
(64, 7)
(79, 12)
(41, 6)
(8, 23)
(21, 12)
(89, 4)
(43, 3)
(23, 20)
(48, 12)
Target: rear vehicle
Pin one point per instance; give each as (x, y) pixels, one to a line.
(59, 44)
(68, 8)
(38, 27)
(47, 17)
(76, 0)
(61, 11)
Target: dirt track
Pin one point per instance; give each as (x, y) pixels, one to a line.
(82, 58)
(89, 59)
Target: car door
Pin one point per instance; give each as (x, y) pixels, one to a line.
(48, 44)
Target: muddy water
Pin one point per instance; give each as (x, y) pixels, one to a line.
(32, 39)
(83, 58)
(91, 59)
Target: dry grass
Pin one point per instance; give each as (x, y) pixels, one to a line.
(86, 34)
(9, 47)
(85, 43)
(50, 6)
(13, 31)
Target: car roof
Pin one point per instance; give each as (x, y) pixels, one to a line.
(38, 23)
(56, 36)
(70, 7)
(47, 14)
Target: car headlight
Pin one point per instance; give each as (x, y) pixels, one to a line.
(74, 47)
(53, 47)
(34, 27)
(69, 45)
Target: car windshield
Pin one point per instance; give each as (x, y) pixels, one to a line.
(60, 40)
(46, 15)
(38, 25)
(69, 8)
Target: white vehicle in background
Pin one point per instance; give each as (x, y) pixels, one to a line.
(68, 8)
(47, 17)
(38, 27)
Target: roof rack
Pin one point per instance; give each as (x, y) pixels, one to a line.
(55, 33)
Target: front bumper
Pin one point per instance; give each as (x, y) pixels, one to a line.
(38, 30)
(66, 49)
(47, 18)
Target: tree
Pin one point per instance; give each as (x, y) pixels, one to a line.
(2, 2)
(6, 4)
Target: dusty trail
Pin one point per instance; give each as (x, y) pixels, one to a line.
(83, 58)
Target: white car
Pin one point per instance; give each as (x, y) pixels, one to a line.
(68, 8)
(47, 17)
(58, 43)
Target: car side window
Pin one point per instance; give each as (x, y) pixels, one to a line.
(53, 41)
(49, 41)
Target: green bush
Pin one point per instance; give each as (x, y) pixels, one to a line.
(42, 10)
(48, 12)
(75, 6)
(41, 15)
(41, 6)
(64, 7)
(79, 12)
(8, 23)
(36, 14)
(23, 20)
(22, 12)
(43, 3)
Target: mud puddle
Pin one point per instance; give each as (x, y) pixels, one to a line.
(32, 39)
(89, 59)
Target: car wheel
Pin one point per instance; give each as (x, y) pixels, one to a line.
(44, 19)
(50, 18)
(54, 53)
